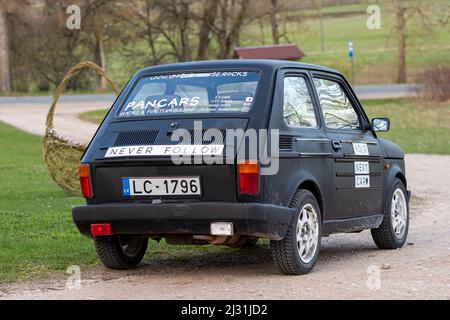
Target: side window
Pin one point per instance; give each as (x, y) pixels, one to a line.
(298, 108)
(338, 112)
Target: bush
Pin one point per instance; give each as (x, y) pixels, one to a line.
(435, 84)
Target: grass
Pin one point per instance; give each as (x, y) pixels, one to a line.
(37, 235)
(427, 43)
(95, 116)
(375, 50)
(418, 127)
(36, 230)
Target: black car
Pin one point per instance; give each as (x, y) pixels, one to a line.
(226, 152)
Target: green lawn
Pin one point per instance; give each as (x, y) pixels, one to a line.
(36, 230)
(375, 50)
(37, 235)
(95, 116)
(418, 127)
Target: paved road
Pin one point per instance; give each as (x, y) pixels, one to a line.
(30, 117)
(363, 92)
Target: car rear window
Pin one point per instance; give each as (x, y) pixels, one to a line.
(188, 93)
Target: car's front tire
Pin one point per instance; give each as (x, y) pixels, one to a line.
(120, 252)
(297, 253)
(392, 232)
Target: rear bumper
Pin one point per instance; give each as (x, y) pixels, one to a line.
(250, 219)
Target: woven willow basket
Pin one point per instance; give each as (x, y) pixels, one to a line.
(61, 154)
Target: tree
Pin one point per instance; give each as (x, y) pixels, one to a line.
(319, 6)
(97, 19)
(400, 26)
(5, 67)
(231, 18)
(274, 21)
(207, 22)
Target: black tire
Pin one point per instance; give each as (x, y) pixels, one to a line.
(285, 253)
(120, 252)
(384, 236)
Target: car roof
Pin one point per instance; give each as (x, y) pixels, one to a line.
(235, 63)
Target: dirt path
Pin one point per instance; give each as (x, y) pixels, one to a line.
(419, 270)
(31, 117)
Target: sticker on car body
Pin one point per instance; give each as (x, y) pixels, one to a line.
(164, 150)
(360, 149)
(362, 167)
(362, 181)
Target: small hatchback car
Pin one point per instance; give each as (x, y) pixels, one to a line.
(226, 152)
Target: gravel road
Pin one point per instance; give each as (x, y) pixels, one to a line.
(347, 267)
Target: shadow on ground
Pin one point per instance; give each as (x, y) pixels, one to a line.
(255, 261)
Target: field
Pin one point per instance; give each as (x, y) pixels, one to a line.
(36, 230)
(375, 50)
(428, 41)
(416, 126)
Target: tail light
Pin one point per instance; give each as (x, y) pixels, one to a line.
(85, 181)
(103, 229)
(248, 176)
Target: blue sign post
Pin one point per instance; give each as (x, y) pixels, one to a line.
(351, 55)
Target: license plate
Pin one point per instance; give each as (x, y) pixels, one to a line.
(174, 186)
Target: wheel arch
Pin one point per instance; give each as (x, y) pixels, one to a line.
(400, 175)
(396, 172)
(314, 188)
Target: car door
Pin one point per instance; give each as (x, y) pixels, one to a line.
(305, 152)
(357, 155)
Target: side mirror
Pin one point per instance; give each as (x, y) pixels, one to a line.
(381, 124)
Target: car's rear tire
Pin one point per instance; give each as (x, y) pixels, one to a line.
(297, 253)
(120, 252)
(392, 232)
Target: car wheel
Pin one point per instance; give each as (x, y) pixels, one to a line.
(392, 232)
(120, 252)
(297, 253)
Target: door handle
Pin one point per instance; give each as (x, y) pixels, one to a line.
(336, 145)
